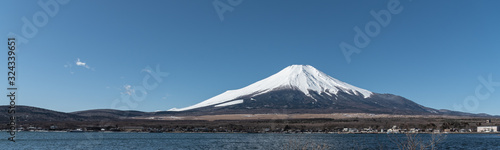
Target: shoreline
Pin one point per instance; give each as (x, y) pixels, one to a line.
(263, 132)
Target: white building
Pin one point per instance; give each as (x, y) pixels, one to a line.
(487, 128)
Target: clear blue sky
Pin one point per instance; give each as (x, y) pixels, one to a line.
(432, 52)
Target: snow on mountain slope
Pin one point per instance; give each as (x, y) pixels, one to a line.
(297, 77)
(230, 103)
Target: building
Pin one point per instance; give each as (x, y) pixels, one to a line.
(394, 131)
(436, 131)
(487, 128)
(351, 130)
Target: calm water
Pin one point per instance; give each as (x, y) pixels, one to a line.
(120, 141)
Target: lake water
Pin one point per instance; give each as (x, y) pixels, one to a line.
(216, 141)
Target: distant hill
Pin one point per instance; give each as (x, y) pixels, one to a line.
(34, 114)
(29, 114)
(110, 113)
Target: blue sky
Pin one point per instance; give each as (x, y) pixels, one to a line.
(431, 52)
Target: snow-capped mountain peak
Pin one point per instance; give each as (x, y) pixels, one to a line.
(304, 78)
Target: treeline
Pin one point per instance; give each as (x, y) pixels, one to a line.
(278, 125)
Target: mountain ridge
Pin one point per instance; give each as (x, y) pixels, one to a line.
(26, 114)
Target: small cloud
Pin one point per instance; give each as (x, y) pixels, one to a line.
(128, 89)
(80, 63)
(68, 65)
(146, 70)
(165, 97)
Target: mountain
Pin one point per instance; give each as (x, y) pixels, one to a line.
(34, 114)
(304, 89)
(29, 114)
(110, 113)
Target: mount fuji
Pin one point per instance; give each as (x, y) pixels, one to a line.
(304, 89)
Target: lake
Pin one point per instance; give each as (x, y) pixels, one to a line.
(216, 141)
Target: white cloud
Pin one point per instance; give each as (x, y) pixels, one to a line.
(165, 97)
(128, 89)
(68, 65)
(146, 70)
(79, 63)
